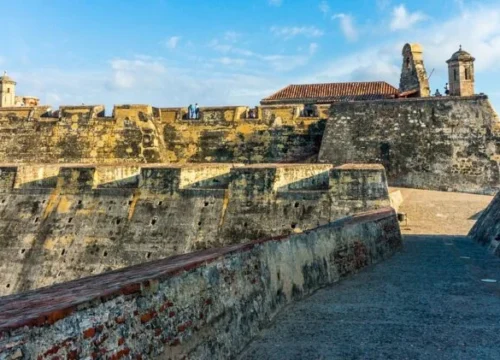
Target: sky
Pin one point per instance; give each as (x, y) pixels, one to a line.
(177, 52)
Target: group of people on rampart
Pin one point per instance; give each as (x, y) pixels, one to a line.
(193, 112)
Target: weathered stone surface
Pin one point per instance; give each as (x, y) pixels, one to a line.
(434, 143)
(62, 223)
(206, 305)
(143, 134)
(486, 231)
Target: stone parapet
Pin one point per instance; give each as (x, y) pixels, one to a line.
(204, 305)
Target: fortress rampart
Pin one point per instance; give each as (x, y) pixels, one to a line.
(144, 134)
(441, 143)
(60, 223)
(205, 305)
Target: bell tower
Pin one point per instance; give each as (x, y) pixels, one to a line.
(461, 73)
(413, 74)
(7, 91)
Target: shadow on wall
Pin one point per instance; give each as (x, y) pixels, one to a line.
(84, 223)
(252, 144)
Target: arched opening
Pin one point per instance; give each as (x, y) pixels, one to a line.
(467, 74)
(408, 63)
(385, 155)
(455, 77)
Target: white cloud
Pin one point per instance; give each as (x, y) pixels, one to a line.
(313, 47)
(324, 7)
(231, 36)
(347, 26)
(172, 42)
(127, 73)
(372, 64)
(402, 19)
(275, 2)
(477, 29)
(284, 63)
(288, 32)
(383, 4)
(231, 61)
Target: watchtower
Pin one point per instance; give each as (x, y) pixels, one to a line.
(461, 73)
(7, 91)
(413, 74)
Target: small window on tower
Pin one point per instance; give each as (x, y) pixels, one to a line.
(8, 90)
(455, 74)
(467, 74)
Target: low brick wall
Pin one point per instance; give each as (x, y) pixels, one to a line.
(204, 305)
(486, 230)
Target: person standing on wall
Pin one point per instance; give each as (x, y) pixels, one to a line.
(190, 111)
(196, 111)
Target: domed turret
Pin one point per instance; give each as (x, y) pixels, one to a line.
(7, 91)
(461, 73)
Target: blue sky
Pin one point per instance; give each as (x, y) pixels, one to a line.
(173, 52)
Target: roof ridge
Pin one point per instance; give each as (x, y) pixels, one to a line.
(341, 82)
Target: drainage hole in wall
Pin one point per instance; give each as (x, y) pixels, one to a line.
(79, 202)
(148, 255)
(118, 221)
(206, 203)
(160, 203)
(63, 251)
(3, 201)
(296, 204)
(278, 275)
(105, 254)
(23, 251)
(153, 222)
(130, 202)
(199, 223)
(8, 286)
(110, 208)
(294, 225)
(36, 220)
(245, 225)
(70, 220)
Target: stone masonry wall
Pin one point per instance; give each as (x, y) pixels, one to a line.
(206, 305)
(434, 143)
(486, 230)
(62, 223)
(143, 134)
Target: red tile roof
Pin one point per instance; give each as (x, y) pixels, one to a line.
(332, 92)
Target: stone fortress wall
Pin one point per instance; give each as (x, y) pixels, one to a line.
(144, 134)
(440, 143)
(205, 305)
(59, 223)
(486, 230)
(437, 143)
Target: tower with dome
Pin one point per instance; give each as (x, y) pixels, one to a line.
(461, 73)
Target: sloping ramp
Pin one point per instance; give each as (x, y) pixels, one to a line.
(427, 302)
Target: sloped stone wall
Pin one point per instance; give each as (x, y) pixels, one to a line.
(440, 143)
(206, 305)
(62, 223)
(486, 230)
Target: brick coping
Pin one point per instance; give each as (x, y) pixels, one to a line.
(47, 305)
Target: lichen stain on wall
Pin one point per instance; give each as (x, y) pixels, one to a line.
(141, 133)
